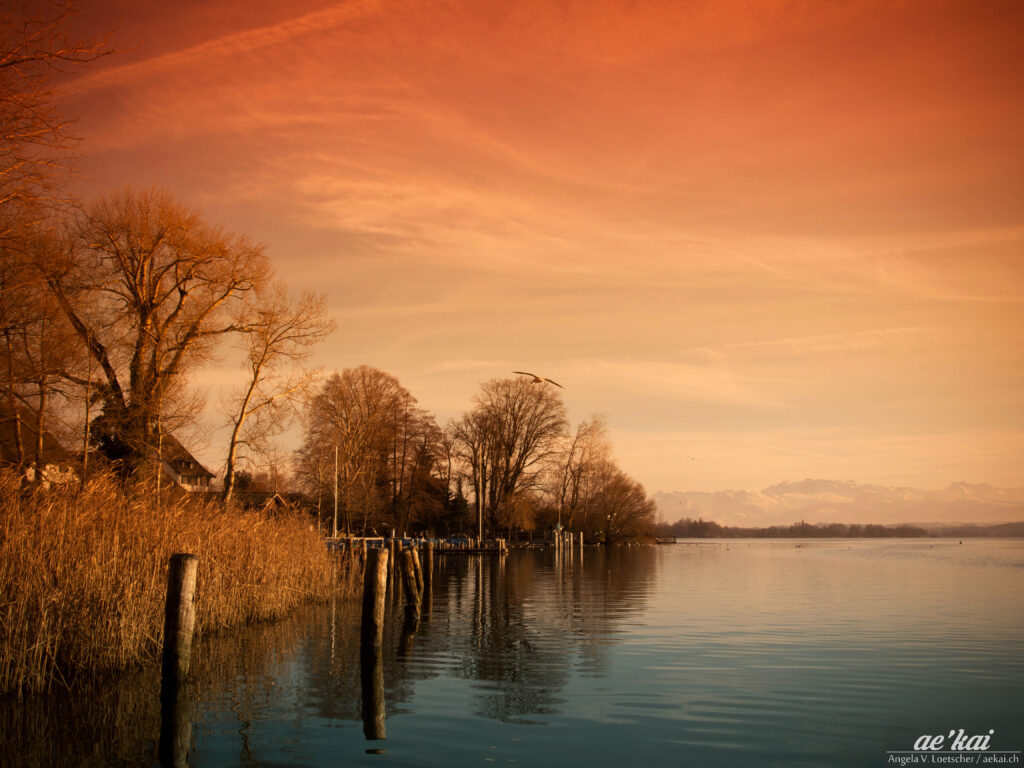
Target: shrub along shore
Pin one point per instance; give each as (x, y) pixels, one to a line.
(83, 576)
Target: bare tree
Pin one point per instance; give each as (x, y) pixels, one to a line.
(38, 352)
(36, 49)
(149, 287)
(386, 448)
(620, 509)
(350, 420)
(280, 333)
(584, 452)
(508, 440)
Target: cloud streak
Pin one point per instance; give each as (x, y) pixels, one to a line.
(216, 51)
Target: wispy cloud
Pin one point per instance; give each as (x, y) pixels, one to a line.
(694, 383)
(212, 53)
(461, 366)
(819, 345)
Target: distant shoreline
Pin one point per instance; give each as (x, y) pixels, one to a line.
(705, 529)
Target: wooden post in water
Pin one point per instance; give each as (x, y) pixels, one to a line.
(179, 618)
(179, 623)
(428, 565)
(417, 570)
(428, 577)
(375, 585)
(395, 572)
(409, 577)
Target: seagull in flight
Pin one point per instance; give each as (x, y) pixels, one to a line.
(539, 379)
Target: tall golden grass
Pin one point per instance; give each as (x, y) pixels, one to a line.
(83, 575)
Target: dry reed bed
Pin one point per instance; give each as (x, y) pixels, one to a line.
(83, 576)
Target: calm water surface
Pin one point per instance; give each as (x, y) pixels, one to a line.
(754, 653)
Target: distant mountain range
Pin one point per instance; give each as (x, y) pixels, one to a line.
(831, 501)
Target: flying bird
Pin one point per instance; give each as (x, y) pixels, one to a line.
(539, 379)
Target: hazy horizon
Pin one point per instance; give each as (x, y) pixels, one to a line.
(767, 240)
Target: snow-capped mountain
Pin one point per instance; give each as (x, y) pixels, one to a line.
(831, 501)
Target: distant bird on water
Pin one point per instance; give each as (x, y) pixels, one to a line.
(539, 379)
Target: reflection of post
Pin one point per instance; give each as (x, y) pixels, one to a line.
(409, 626)
(175, 729)
(372, 678)
(479, 561)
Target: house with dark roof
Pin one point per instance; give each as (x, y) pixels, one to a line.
(181, 467)
(272, 501)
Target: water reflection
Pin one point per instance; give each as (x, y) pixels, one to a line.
(533, 619)
(175, 726)
(516, 625)
(122, 721)
(727, 654)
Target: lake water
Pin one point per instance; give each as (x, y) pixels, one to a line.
(738, 653)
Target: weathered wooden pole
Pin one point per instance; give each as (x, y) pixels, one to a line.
(417, 570)
(375, 584)
(409, 577)
(179, 618)
(179, 623)
(395, 569)
(428, 578)
(428, 566)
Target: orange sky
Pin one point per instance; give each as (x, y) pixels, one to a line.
(769, 240)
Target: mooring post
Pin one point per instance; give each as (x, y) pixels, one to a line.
(417, 570)
(395, 566)
(375, 585)
(179, 619)
(409, 574)
(428, 565)
(428, 578)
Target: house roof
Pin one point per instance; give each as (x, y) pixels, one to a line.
(272, 500)
(178, 456)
